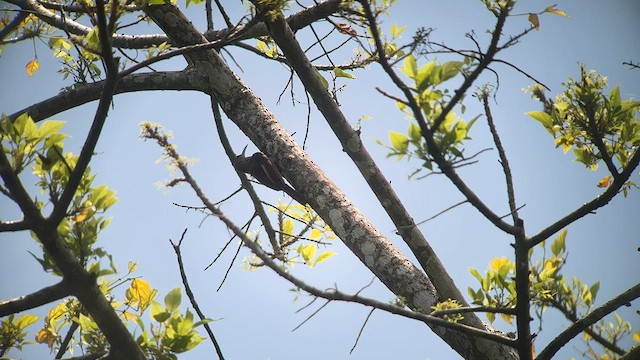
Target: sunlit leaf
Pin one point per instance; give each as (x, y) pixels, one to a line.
(307, 252)
(604, 182)
(398, 141)
(32, 66)
(324, 256)
(507, 318)
(498, 262)
(533, 19)
(552, 9)
(173, 299)
(396, 30)
(410, 67)
(558, 245)
(414, 132)
(315, 234)
(46, 336)
(545, 119)
(341, 73)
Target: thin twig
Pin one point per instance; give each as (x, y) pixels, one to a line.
(366, 320)
(506, 169)
(191, 296)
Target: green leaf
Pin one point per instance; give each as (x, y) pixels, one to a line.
(26, 127)
(476, 274)
(341, 73)
(158, 313)
(414, 132)
(614, 96)
(25, 320)
(50, 127)
(399, 141)
(450, 69)
(396, 31)
(425, 76)
(173, 299)
(197, 2)
(410, 67)
(594, 290)
(491, 317)
(558, 245)
(307, 252)
(545, 119)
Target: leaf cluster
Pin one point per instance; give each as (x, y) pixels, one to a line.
(596, 126)
(42, 148)
(12, 332)
(450, 134)
(549, 288)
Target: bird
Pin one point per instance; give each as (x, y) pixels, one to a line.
(266, 172)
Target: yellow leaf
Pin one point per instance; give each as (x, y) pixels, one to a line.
(552, 9)
(315, 234)
(604, 182)
(308, 252)
(287, 227)
(129, 316)
(56, 313)
(533, 19)
(636, 336)
(140, 292)
(46, 336)
(324, 256)
(32, 66)
(507, 318)
(497, 262)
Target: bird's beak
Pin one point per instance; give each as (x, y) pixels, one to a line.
(243, 151)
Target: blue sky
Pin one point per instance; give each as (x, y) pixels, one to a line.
(256, 309)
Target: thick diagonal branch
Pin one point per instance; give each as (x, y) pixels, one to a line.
(247, 111)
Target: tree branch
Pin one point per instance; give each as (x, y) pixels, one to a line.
(331, 294)
(253, 118)
(596, 315)
(600, 201)
(5, 31)
(14, 225)
(297, 21)
(191, 296)
(427, 134)
(73, 97)
(353, 146)
(484, 97)
(591, 332)
(111, 69)
(41, 297)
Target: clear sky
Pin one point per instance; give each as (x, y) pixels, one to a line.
(255, 308)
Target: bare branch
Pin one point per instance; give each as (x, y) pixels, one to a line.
(41, 297)
(600, 201)
(484, 98)
(427, 133)
(297, 21)
(243, 178)
(5, 31)
(192, 298)
(73, 97)
(593, 317)
(111, 69)
(14, 225)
